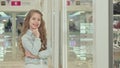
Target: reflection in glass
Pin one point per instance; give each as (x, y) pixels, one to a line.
(116, 33)
(80, 34)
(80, 39)
(8, 51)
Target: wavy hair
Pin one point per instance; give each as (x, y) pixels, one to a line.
(41, 29)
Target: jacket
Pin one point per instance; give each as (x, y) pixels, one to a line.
(33, 45)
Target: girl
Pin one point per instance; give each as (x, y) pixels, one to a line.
(33, 41)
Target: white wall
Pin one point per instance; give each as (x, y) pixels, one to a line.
(101, 19)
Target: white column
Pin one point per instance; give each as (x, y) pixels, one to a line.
(14, 35)
(55, 32)
(46, 8)
(101, 19)
(64, 34)
(50, 9)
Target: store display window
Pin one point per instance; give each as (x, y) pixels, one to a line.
(80, 32)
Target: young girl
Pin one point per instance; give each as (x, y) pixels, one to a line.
(33, 41)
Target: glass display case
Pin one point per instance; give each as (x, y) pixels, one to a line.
(10, 26)
(116, 33)
(80, 30)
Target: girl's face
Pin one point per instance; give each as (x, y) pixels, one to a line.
(35, 21)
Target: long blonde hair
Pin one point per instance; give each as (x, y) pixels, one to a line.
(41, 29)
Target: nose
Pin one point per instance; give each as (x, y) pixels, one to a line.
(37, 21)
(36, 24)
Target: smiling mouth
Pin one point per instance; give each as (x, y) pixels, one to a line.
(36, 25)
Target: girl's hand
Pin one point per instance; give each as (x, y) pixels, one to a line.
(28, 54)
(36, 33)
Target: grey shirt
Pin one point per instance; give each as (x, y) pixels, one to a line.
(33, 45)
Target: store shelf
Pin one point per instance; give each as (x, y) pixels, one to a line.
(78, 8)
(116, 15)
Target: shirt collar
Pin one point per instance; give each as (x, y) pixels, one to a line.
(29, 32)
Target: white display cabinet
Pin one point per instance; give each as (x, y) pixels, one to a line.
(85, 34)
(80, 32)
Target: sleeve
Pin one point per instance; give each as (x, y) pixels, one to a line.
(45, 53)
(32, 47)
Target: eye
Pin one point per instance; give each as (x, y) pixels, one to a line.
(39, 20)
(33, 18)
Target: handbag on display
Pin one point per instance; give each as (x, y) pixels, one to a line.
(116, 8)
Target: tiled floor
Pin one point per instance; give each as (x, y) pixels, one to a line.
(11, 58)
(12, 64)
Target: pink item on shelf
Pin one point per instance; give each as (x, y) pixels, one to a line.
(15, 3)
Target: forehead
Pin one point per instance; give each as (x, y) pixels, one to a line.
(35, 14)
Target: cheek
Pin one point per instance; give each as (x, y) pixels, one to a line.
(39, 24)
(31, 24)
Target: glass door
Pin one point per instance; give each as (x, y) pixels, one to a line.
(85, 34)
(10, 29)
(80, 37)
